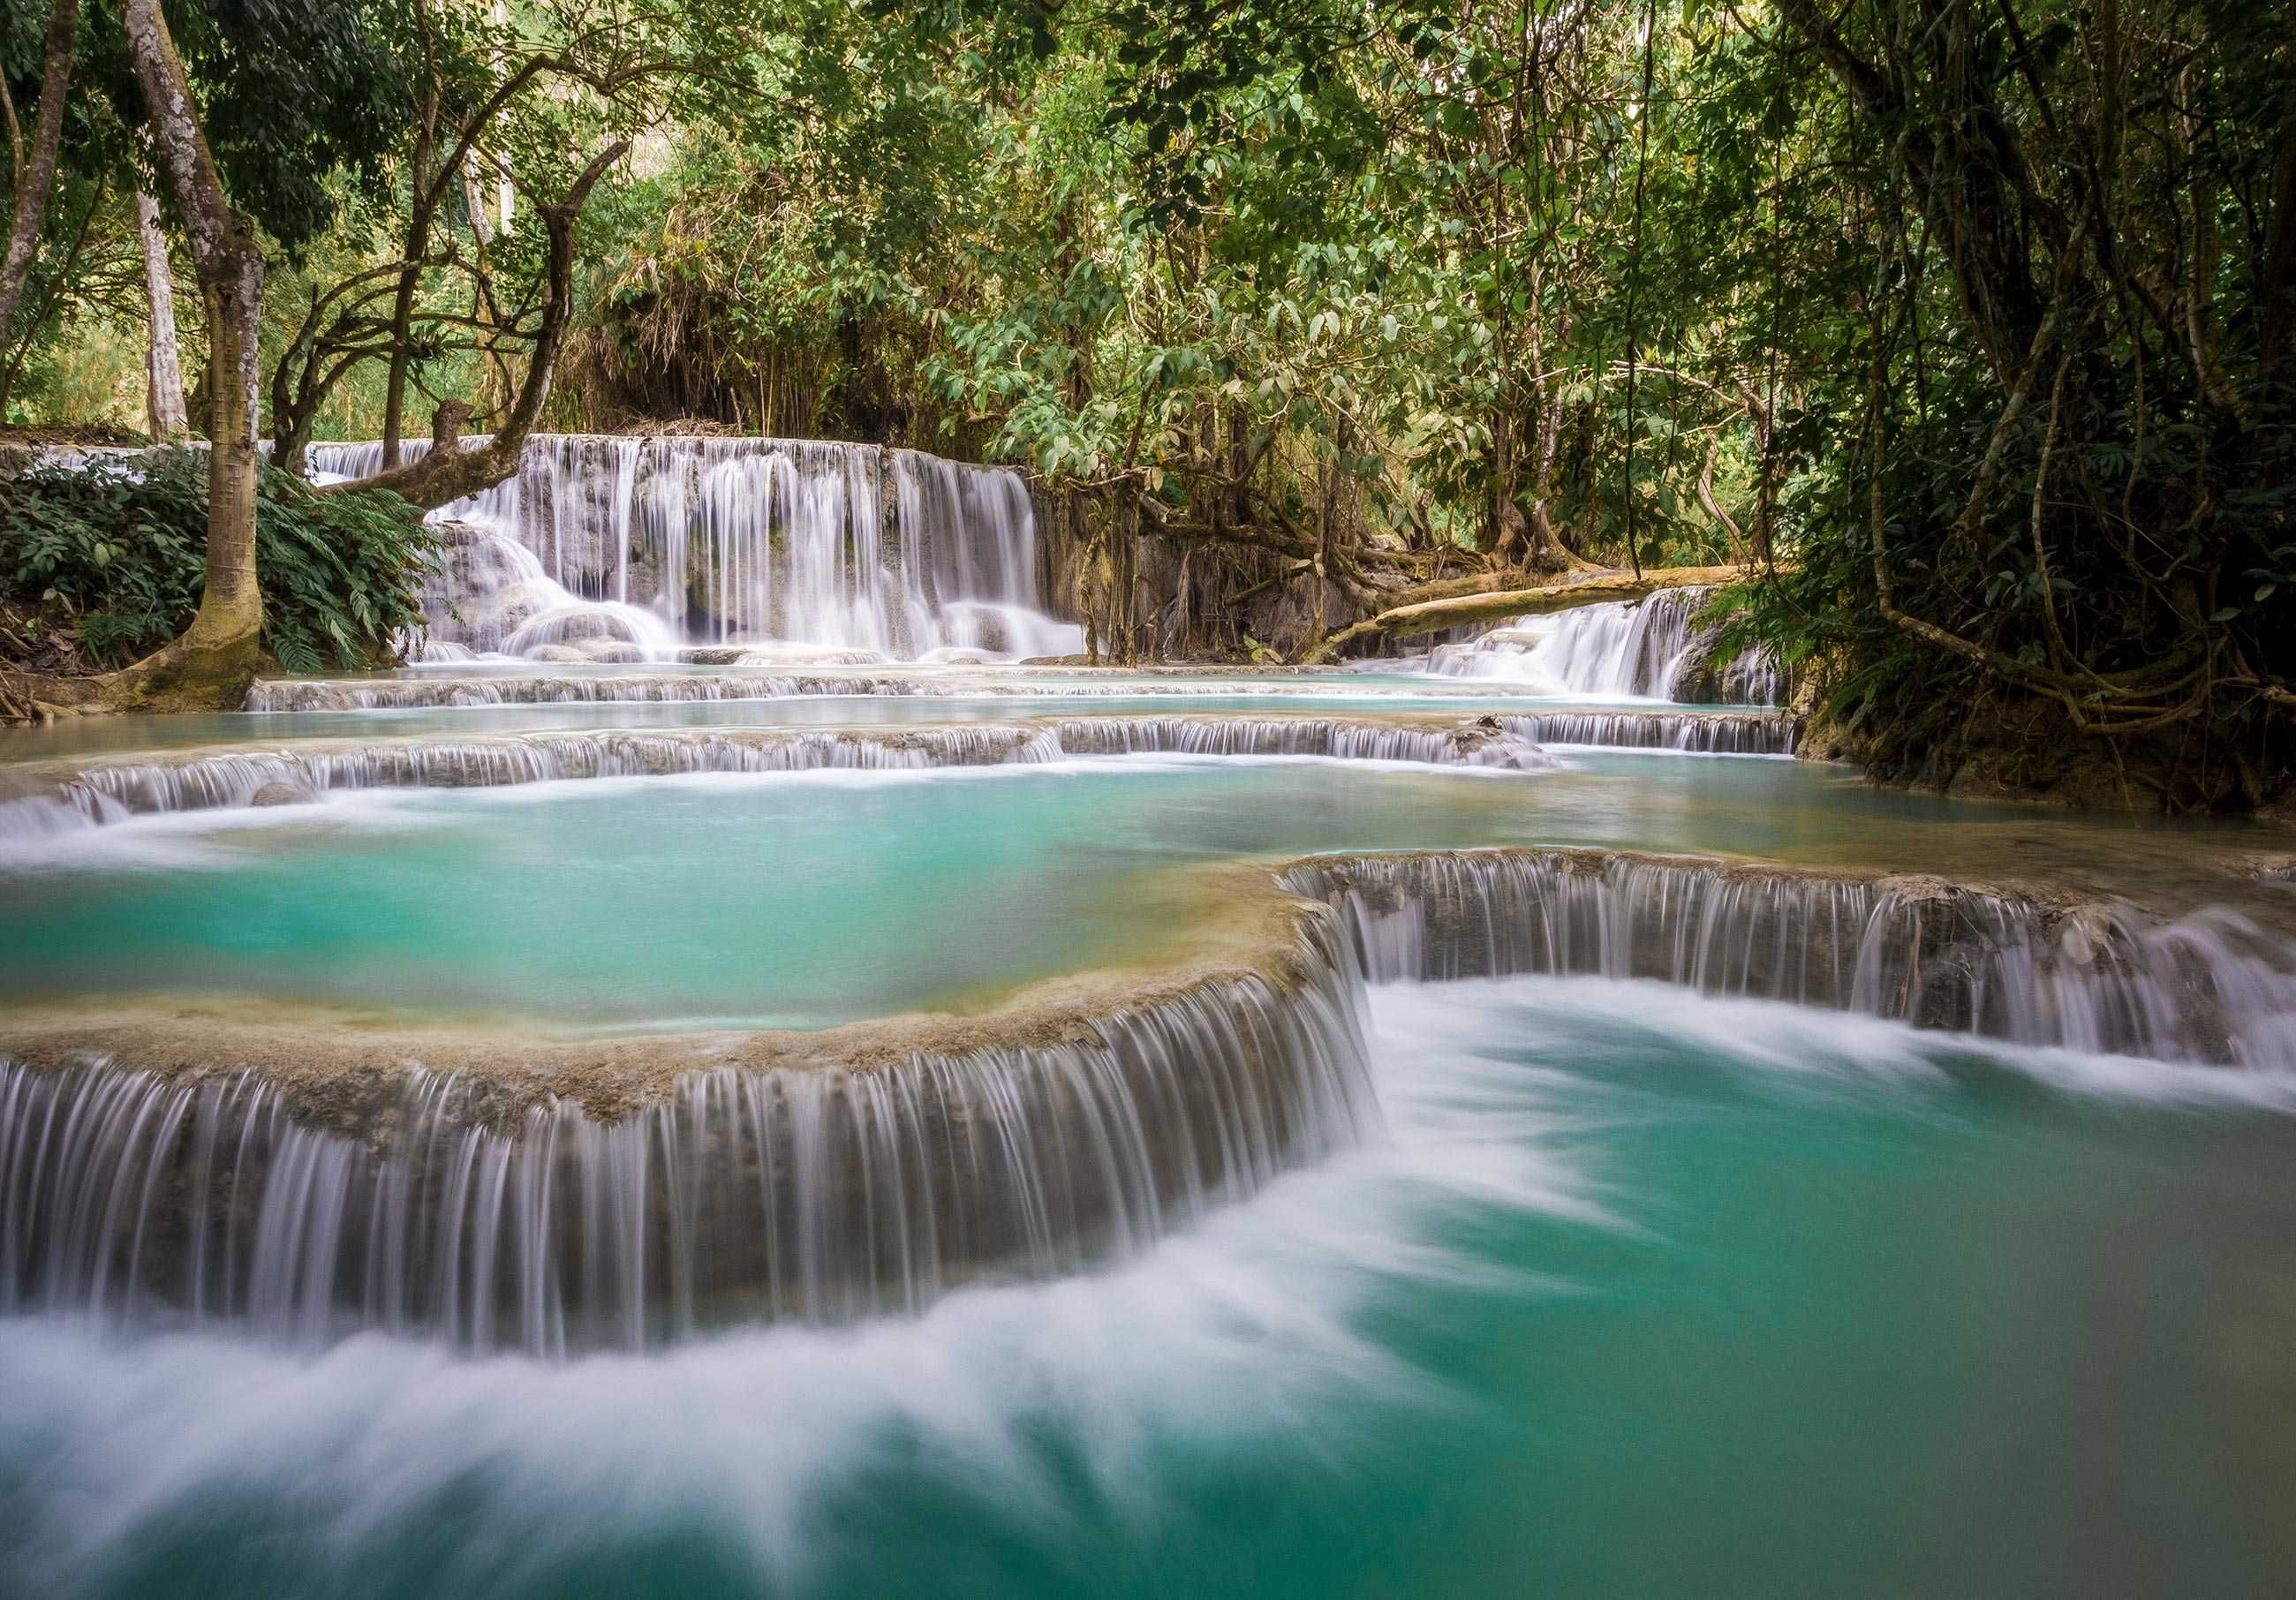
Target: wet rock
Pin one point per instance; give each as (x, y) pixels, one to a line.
(278, 794)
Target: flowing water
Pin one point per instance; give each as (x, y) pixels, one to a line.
(625, 549)
(650, 1119)
(1643, 1296)
(811, 897)
(1658, 648)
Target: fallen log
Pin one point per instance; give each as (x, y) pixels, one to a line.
(1589, 588)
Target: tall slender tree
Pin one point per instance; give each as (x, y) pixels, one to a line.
(163, 358)
(34, 170)
(225, 640)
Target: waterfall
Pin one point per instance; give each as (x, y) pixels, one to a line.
(815, 1194)
(113, 792)
(1480, 741)
(440, 690)
(1696, 733)
(2097, 977)
(973, 531)
(1645, 648)
(633, 546)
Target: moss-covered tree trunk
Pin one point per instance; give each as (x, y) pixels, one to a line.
(215, 658)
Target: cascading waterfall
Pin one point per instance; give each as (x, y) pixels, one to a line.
(817, 1194)
(635, 545)
(1482, 741)
(1694, 733)
(442, 690)
(2206, 988)
(1645, 648)
(489, 594)
(113, 792)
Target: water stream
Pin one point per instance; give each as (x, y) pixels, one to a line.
(1658, 648)
(626, 549)
(1641, 1296)
(735, 1094)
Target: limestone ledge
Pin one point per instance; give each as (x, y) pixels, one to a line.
(1275, 924)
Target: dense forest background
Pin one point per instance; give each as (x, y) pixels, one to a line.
(1965, 330)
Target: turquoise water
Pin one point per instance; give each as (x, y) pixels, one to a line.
(805, 899)
(1647, 1295)
(1650, 1296)
(1340, 695)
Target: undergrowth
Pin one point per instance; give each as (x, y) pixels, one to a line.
(111, 558)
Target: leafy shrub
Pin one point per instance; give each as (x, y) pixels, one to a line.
(117, 553)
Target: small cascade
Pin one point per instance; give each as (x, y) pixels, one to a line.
(1694, 733)
(114, 792)
(635, 545)
(438, 690)
(2206, 987)
(67, 809)
(435, 691)
(817, 1194)
(1480, 741)
(1649, 649)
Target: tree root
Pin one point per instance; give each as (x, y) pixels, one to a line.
(193, 674)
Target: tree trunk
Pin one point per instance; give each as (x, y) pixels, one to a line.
(402, 322)
(447, 475)
(213, 660)
(35, 176)
(163, 362)
(1430, 616)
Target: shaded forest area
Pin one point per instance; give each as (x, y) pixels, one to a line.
(1962, 331)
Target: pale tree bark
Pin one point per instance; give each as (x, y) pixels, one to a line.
(163, 361)
(1594, 588)
(219, 653)
(35, 171)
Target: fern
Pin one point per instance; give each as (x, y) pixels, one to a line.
(115, 554)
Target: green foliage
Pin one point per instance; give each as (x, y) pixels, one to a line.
(1395, 291)
(115, 551)
(293, 96)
